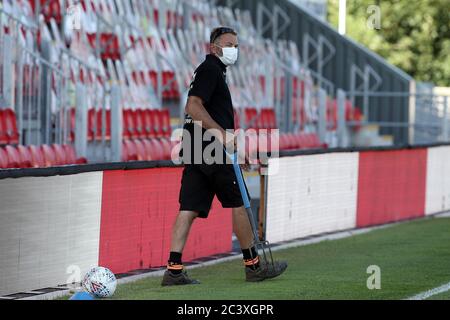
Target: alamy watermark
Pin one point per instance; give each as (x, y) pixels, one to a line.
(74, 279)
(74, 11)
(374, 280)
(253, 147)
(374, 19)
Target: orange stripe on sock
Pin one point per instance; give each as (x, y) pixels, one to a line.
(175, 267)
(251, 262)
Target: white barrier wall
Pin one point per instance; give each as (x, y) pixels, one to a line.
(47, 225)
(311, 195)
(438, 180)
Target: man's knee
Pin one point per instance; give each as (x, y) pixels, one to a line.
(189, 216)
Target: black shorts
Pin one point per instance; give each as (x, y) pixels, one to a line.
(200, 183)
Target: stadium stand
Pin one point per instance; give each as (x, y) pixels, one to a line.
(149, 50)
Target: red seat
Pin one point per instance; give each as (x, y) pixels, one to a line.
(109, 45)
(155, 149)
(315, 142)
(71, 157)
(140, 124)
(14, 160)
(50, 9)
(153, 75)
(129, 125)
(164, 120)
(251, 115)
(11, 126)
(72, 124)
(300, 141)
(3, 136)
(107, 124)
(8, 127)
(37, 157)
(237, 120)
(49, 155)
(167, 148)
(91, 124)
(130, 151)
(60, 155)
(149, 123)
(332, 113)
(25, 157)
(157, 123)
(3, 159)
(140, 151)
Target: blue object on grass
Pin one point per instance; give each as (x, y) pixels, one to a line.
(83, 295)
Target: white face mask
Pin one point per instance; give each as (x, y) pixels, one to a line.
(230, 55)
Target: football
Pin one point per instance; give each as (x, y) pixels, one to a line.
(100, 282)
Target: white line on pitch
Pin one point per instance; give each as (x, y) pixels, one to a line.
(427, 294)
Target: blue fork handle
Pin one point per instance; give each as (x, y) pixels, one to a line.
(240, 179)
(244, 194)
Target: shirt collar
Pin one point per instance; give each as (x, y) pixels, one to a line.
(213, 58)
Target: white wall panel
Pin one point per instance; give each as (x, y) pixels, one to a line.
(438, 180)
(46, 225)
(310, 195)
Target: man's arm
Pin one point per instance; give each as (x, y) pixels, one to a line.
(197, 111)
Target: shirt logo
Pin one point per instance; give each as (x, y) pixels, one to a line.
(193, 79)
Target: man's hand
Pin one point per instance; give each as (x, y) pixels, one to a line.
(229, 141)
(246, 165)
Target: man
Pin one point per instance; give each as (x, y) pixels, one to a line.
(209, 105)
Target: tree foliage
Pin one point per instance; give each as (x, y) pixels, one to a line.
(414, 35)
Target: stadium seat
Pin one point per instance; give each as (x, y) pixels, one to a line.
(8, 127)
(3, 159)
(129, 125)
(71, 155)
(13, 155)
(140, 151)
(149, 123)
(156, 149)
(25, 157)
(91, 124)
(50, 9)
(107, 125)
(157, 123)
(164, 121)
(251, 115)
(237, 120)
(11, 126)
(60, 155)
(109, 45)
(140, 123)
(167, 148)
(49, 155)
(37, 157)
(129, 151)
(3, 136)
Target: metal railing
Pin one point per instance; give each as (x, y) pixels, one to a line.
(427, 117)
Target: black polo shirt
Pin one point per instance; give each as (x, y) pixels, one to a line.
(209, 84)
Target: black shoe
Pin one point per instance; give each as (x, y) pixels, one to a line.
(265, 271)
(170, 279)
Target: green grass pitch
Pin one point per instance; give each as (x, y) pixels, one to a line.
(413, 257)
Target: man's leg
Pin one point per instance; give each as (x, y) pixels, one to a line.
(243, 231)
(254, 269)
(180, 232)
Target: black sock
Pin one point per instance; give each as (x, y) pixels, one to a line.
(175, 265)
(251, 258)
